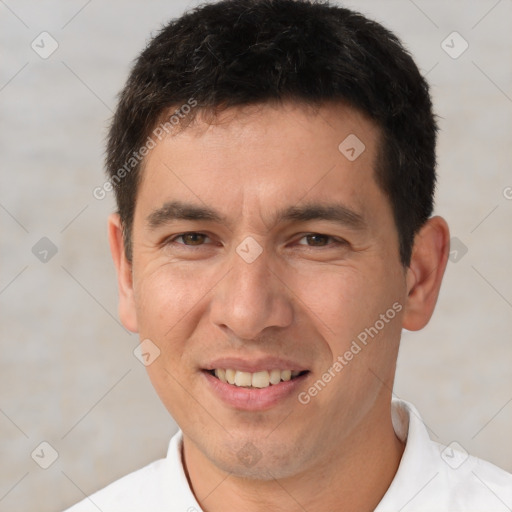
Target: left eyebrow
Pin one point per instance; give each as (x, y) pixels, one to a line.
(333, 212)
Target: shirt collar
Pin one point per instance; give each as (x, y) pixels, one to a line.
(420, 461)
(179, 493)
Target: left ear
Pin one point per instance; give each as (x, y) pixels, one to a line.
(425, 273)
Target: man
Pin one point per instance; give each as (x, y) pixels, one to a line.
(274, 169)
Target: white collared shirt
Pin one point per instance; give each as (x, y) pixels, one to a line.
(430, 477)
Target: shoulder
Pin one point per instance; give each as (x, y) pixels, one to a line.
(473, 481)
(432, 476)
(159, 487)
(133, 492)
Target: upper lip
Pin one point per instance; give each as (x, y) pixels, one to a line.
(255, 364)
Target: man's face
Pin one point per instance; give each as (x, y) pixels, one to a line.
(272, 284)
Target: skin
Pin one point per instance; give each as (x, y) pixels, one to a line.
(302, 298)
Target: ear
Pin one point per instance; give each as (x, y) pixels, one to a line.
(425, 273)
(127, 311)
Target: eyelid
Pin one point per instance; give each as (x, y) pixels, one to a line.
(334, 240)
(172, 239)
(305, 235)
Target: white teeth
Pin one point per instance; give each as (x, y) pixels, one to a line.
(230, 376)
(220, 373)
(275, 376)
(262, 379)
(286, 375)
(243, 378)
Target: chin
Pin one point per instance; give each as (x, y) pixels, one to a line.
(261, 459)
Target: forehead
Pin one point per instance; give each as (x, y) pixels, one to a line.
(253, 158)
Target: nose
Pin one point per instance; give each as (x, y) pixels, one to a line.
(250, 298)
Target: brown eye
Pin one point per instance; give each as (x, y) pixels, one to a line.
(191, 238)
(317, 239)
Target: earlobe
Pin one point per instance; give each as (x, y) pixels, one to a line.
(127, 311)
(425, 272)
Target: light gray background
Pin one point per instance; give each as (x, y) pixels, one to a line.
(68, 373)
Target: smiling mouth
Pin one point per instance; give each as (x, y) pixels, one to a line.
(258, 380)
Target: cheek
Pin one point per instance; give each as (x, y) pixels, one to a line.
(165, 295)
(337, 298)
(171, 301)
(345, 302)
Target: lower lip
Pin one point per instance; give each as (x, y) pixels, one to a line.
(254, 399)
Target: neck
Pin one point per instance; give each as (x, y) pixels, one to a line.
(354, 477)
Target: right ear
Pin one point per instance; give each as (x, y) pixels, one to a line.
(127, 310)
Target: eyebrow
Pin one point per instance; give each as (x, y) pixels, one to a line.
(333, 212)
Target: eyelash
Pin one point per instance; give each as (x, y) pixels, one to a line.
(336, 242)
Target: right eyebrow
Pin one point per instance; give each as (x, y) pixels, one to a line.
(179, 210)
